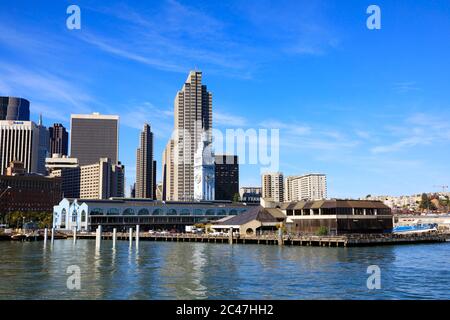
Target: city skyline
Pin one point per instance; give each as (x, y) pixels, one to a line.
(358, 113)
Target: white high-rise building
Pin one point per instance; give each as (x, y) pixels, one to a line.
(306, 187)
(193, 117)
(272, 186)
(19, 141)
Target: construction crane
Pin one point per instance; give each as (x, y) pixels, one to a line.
(442, 187)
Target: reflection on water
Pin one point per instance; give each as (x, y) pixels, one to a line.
(160, 270)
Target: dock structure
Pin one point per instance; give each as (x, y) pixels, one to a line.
(306, 240)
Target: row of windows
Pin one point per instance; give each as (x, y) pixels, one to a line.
(74, 216)
(168, 212)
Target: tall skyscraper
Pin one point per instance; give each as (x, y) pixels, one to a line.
(154, 179)
(193, 117)
(145, 166)
(44, 147)
(14, 109)
(226, 177)
(19, 141)
(94, 136)
(168, 172)
(272, 186)
(59, 139)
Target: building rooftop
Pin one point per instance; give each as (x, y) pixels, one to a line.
(255, 213)
(335, 203)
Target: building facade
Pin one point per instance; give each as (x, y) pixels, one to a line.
(43, 147)
(19, 141)
(226, 177)
(94, 136)
(59, 139)
(306, 187)
(58, 161)
(272, 186)
(204, 173)
(28, 192)
(250, 194)
(83, 214)
(168, 172)
(14, 109)
(70, 181)
(100, 180)
(155, 183)
(193, 117)
(144, 165)
(338, 216)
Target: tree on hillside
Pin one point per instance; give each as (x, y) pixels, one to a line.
(426, 204)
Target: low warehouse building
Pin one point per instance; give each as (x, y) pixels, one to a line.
(338, 216)
(255, 221)
(120, 213)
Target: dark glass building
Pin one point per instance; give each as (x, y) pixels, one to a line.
(94, 136)
(15, 109)
(145, 166)
(226, 177)
(59, 139)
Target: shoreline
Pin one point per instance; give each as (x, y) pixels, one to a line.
(314, 241)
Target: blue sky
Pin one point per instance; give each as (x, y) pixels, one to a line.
(370, 108)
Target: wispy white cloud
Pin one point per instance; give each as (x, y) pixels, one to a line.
(162, 40)
(135, 115)
(51, 93)
(418, 129)
(228, 120)
(405, 87)
(110, 46)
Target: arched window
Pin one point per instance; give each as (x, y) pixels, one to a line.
(113, 212)
(171, 212)
(210, 212)
(74, 216)
(185, 212)
(128, 212)
(198, 212)
(157, 212)
(143, 212)
(221, 212)
(233, 212)
(96, 212)
(63, 217)
(83, 216)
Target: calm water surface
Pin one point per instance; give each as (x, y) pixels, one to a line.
(165, 270)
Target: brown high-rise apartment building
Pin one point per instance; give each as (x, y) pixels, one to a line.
(193, 117)
(272, 186)
(145, 166)
(94, 136)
